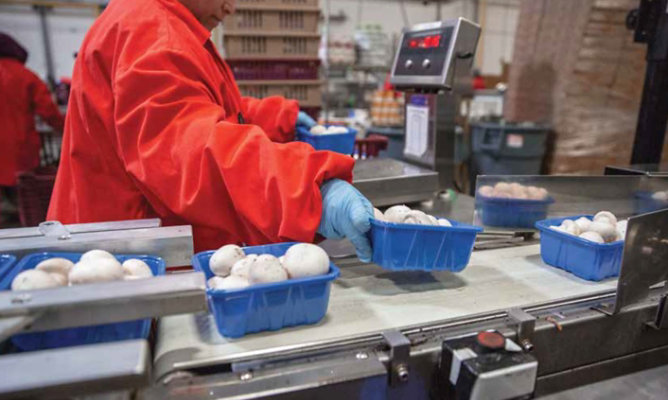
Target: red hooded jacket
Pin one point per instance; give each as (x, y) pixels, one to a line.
(153, 130)
(22, 95)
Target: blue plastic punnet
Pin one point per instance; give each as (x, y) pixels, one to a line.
(7, 261)
(512, 213)
(268, 306)
(419, 247)
(581, 257)
(338, 142)
(138, 329)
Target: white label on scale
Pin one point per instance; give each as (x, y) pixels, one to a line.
(417, 130)
(515, 141)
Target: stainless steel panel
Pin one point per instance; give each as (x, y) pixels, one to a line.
(75, 370)
(84, 228)
(645, 260)
(174, 243)
(100, 303)
(386, 181)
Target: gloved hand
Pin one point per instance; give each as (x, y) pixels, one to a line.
(304, 119)
(346, 213)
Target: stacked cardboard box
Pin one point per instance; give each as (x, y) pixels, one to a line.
(272, 48)
(575, 66)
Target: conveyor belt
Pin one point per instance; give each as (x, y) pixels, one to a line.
(367, 299)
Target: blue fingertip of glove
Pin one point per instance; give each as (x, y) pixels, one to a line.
(304, 119)
(346, 213)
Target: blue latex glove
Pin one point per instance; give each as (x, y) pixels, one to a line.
(304, 119)
(346, 214)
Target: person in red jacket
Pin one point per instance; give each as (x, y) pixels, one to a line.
(22, 96)
(157, 127)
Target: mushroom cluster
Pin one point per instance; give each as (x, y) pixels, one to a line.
(404, 215)
(603, 228)
(513, 190)
(660, 196)
(93, 267)
(234, 269)
(330, 130)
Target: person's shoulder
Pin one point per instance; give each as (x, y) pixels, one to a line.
(129, 29)
(17, 69)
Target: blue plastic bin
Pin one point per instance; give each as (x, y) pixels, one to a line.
(401, 247)
(512, 213)
(138, 329)
(644, 203)
(7, 261)
(269, 306)
(339, 142)
(508, 149)
(584, 258)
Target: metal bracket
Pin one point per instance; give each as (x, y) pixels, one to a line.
(54, 228)
(661, 320)
(400, 349)
(526, 325)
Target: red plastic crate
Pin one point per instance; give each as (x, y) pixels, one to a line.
(34, 194)
(271, 70)
(370, 146)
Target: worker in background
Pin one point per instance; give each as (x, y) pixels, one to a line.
(478, 80)
(22, 96)
(157, 128)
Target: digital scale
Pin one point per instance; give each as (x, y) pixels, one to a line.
(432, 65)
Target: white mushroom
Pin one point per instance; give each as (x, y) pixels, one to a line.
(223, 259)
(571, 227)
(434, 220)
(583, 223)
(378, 215)
(416, 217)
(136, 267)
(96, 270)
(60, 278)
(500, 194)
(333, 130)
(593, 237)
(444, 222)
(241, 267)
(33, 279)
(536, 193)
(95, 254)
(56, 265)
(518, 191)
(606, 217)
(266, 269)
(396, 214)
(558, 228)
(215, 282)
(502, 187)
(306, 259)
(230, 283)
(660, 196)
(486, 191)
(318, 130)
(607, 231)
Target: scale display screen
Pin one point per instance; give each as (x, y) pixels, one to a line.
(423, 53)
(427, 42)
